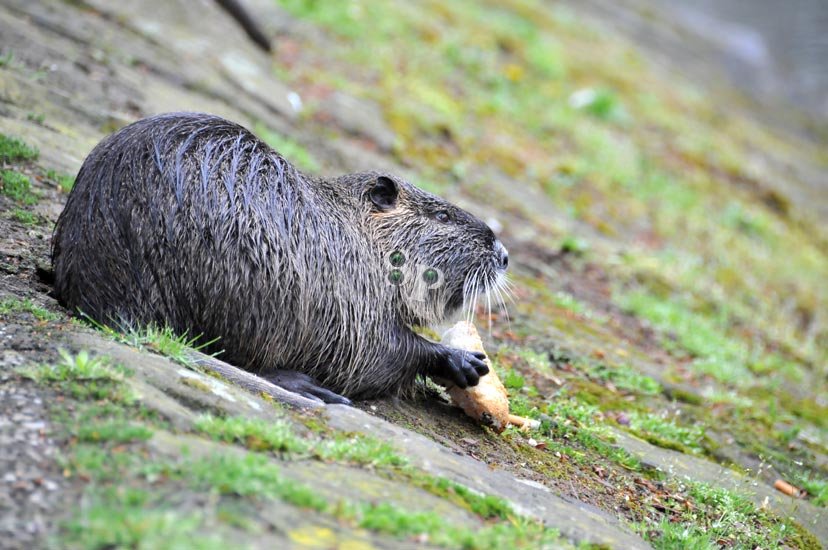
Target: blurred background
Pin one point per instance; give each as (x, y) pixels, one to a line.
(769, 50)
(657, 169)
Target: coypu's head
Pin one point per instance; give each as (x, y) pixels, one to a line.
(438, 256)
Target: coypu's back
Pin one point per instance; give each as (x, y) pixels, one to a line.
(190, 221)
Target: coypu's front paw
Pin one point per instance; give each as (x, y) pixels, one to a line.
(464, 368)
(305, 386)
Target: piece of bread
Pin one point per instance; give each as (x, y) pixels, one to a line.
(487, 402)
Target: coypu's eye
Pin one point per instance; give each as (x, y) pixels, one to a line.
(442, 216)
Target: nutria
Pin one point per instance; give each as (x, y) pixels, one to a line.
(190, 221)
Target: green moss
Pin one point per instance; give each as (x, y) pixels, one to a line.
(359, 449)
(485, 506)
(13, 149)
(14, 305)
(118, 431)
(126, 517)
(248, 475)
(280, 436)
(390, 519)
(275, 435)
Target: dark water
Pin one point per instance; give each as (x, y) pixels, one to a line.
(776, 48)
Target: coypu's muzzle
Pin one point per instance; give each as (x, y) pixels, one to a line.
(501, 255)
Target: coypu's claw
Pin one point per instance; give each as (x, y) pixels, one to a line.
(465, 368)
(305, 386)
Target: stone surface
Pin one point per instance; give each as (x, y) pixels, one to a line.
(30, 481)
(688, 467)
(576, 521)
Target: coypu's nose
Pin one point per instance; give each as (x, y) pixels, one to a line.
(501, 254)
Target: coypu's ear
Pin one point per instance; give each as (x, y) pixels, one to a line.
(384, 193)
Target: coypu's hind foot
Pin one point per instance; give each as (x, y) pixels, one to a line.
(304, 385)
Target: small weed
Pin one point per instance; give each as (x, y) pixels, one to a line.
(817, 489)
(82, 366)
(167, 343)
(519, 405)
(38, 118)
(64, 181)
(164, 341)
(254, 475)
(574, 245)
(25, 217)
(668, 535)
(84, 377)
(12, 305)
(602, 104)
(13, 149)
(568, 418)
(288, 148)
(666, 433)
(97, 462)
(7, 59)
(17, 187)
(513, 380)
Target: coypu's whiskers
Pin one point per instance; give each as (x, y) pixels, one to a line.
(503, 291)
(475, 295)
(468, 294)
(478, 280)
(487, 291)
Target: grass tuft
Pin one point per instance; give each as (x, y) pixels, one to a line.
(17, 187)
(13, 149)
